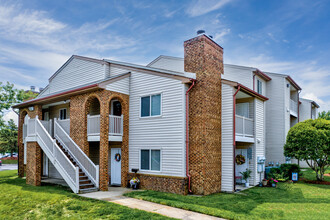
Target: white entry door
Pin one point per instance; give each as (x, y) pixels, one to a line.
(244, 166)
(115, 166)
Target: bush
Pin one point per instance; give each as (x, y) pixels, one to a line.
(284, 172)
(288, 169)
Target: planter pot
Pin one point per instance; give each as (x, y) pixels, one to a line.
(273, 184)
(264, 183)
(247, 184)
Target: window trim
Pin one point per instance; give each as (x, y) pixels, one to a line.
(160, 156)
(161, 106)
(66, 113)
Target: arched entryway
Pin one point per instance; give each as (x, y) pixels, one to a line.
(93, 107)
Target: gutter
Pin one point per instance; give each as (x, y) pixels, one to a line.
(54, 96)
(234, 134)
(187, 134)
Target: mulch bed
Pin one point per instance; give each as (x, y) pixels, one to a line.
(10, 158)
(316, 182)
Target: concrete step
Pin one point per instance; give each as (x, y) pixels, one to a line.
(94, 189)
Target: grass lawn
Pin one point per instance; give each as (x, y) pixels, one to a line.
(288, 201)
(21, 201)
(309, 174)
(9, 161)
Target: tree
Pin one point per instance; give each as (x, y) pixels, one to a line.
(10, 96)
(310, 141)
(325, 115)
(8, 137)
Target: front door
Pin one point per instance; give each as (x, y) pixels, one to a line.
(241, 167)
(115, 166)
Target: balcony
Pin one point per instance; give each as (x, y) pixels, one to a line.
(115, 127)
(293, 108)
(93, 127)
(244, 130)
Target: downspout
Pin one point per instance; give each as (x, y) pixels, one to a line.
(234, 134)
(187, 134)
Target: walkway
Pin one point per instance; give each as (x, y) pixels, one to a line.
(115, 195)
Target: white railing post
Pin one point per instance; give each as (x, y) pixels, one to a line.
(122, 124)
(35, 126)
(77, 179)
(243, 126)
(97, 179)
(51, 127)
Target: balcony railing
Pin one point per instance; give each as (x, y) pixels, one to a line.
(244, 126)
(293, 106)
(115, 125)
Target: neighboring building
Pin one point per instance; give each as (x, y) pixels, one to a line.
(308, 109)
(282, 113)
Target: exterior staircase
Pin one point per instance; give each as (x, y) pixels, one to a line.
(76, 168)
(85, 184)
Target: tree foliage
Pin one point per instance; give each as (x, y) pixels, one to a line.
(8, 137)
(325, 115)
(10, 96)
(310, 141)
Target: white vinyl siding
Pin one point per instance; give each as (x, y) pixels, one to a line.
(242, 75)
(165, 131)
(276, 112)
(114, 71)
(121, 86)
(259, 135)
(76, 73)
(227, 169)
(169, 63)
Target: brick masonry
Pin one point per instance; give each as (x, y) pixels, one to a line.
(178, 185)
(22, 113)
(205, 58)
(34, 163)
(79, 108)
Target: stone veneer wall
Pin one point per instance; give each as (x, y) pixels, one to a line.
(79, 108)
(205, 58)
(22, 113)
(170, 184)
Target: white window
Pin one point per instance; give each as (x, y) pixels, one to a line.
(62, 115)
(151, 105)
(242, 109)
(150, 159)
(259, 86)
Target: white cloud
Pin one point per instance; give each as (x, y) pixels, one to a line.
(219, 36)
(201, 7)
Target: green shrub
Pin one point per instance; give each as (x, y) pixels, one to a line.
(288, 169)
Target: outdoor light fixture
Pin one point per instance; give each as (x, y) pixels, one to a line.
(31, 108)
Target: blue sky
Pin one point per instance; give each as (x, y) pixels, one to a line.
(290, 37)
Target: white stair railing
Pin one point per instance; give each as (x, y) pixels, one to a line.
(68, 171)
(89, 168)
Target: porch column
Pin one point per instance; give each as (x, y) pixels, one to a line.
(33, 164)
(104, 145)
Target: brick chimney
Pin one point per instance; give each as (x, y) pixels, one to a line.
(205, 58)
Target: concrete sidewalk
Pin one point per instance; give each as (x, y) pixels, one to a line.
(115, 195)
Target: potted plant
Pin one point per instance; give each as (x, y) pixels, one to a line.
(245, 176)
(273, 182)
(264, 182)
(134, 183)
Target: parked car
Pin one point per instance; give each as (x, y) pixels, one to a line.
(0, 163)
